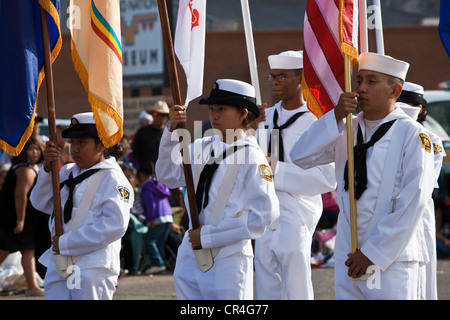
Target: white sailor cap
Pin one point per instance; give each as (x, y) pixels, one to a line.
(287, 60)
(233, 93)
(413, 87)
(412, 93)
(383, 64)
(81, 125)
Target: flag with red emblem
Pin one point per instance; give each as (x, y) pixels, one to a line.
(189, 44)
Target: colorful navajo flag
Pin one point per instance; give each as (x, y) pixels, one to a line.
(97, 56)
(22, 66)
(190, 44)
(444, 25)
(330, 30)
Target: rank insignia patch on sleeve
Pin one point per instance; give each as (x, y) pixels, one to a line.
(437, 148)
(425, 141)
(124, 193)
(266, 172)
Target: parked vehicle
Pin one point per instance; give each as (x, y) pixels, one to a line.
(44, 125)
(439, 109)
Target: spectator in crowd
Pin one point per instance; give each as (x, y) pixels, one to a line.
(17, 226)
(147, 138)
(158, 214)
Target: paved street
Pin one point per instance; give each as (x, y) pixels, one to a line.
(161, 287)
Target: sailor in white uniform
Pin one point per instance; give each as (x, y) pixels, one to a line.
(412, 97)
(236, 202)
(96, 198)
(283, 254)
(394, 178)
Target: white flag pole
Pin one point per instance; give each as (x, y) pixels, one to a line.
(262, 136)
(363, 34)
(379, 27)
(251, 49)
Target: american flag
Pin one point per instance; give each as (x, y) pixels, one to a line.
(330, 31)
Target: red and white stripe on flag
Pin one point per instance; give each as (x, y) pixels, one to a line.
(189, 44)
(330, 29)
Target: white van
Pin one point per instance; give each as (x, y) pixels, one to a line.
(438, 119)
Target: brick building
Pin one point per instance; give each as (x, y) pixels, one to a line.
(226, 57)
(277, 26)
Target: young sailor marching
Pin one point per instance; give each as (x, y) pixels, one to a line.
(394, 179)
(283, 254)
(235, 195)
(413, 103)
(96, 198)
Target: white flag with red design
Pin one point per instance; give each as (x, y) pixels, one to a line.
(189, 44)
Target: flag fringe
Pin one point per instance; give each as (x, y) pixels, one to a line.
(96, 103)
(79, 66)
(311, 100)
(351, 52)
(48, 6)
(108, 141)
(15, 151)
(346, 48)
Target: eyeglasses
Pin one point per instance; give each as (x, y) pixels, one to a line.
(280, 77)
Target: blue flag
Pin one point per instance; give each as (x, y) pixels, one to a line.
(444, 25)
(22, 66)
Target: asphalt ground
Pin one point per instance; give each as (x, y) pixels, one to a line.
(161, 286)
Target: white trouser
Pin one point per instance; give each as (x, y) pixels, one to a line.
(403, 280)
(230, 278)
(283, 263)
(431, 277)
(87, 284)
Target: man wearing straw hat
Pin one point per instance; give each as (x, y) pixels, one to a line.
(394, 178)
(147, 138)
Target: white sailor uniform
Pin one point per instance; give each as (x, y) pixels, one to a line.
(430, 221)
(396, 242)
(283, 254)
(231, 276)
(429, 215)
(95, 246)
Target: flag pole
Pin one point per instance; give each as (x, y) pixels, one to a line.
(350, 162)
(364, 47)
(378, 27)
(363, 34)
(250, 49)
(174, 84)
(51, 115)
(262, 139)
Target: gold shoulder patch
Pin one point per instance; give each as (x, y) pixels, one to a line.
(425, 142)
(124, 193)
(437, 148)
(266, 172)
